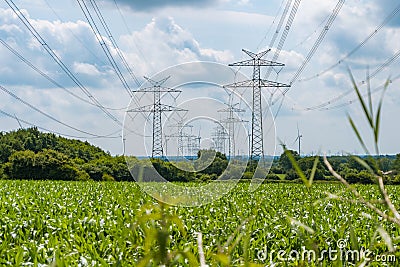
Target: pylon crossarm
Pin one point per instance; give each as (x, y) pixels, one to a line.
(156, 90)
(257, 62)
(232, 109)
(165, 108)
(250, 84)
(157, 83)
(148, 108)
(267, 83)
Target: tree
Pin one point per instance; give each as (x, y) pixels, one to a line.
(44, 165)
(218, 164)
(285, 162)
(396, 164)
(385, 164)
(307, 163)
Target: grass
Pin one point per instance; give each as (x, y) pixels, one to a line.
(88, 223)
(281, 176)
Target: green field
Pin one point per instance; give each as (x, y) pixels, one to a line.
(90, 223)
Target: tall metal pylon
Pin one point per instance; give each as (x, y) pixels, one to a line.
(157, 108)
(230, 122)
(256, 84)
(181, 135)
(219, 138)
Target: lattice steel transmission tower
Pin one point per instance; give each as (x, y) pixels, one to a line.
(256, 84)
(157, 108)
(230, 122)
(196, 143)
(219, 137)
(181, 135)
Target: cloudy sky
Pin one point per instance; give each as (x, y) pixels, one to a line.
(154, 35)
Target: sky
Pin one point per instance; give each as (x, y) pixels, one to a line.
(153, 36)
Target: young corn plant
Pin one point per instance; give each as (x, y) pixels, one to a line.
(156, 222)
(384, 206)
(390, 214)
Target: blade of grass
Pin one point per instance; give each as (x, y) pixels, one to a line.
(353, 239)
(386, 237)
(378, 117)
(364, 164)
(360, 98)
(297, 223)
(358, 134)
(297, 168)
(371, 110)
(313, 170)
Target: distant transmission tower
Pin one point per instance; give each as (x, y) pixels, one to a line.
(230, 122)
(256, 83)
(219, 138)
(157, 108)
(181, 136)
(196, 143)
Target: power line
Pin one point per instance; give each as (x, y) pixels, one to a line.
(47, 115)
(270, 27)
(311, 34)
(60, 63)
(284, 35)
(105, 47)
(129, 31)
(282, 19)
(311, 53)
(321, 37)
(359, 46)
(103, 44)
(73, 34)
(373, 75)
(114, 43)
(51, 131)
(47, 77)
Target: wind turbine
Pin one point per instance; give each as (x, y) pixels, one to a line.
(298, 138)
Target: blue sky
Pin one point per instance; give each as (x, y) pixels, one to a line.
(154, 35)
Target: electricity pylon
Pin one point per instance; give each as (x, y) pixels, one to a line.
(230, 122)
(219, 138)
(157, 108)
(181, 136)
(256, 84)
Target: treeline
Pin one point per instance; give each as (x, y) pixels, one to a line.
(31, 154)
(347, 166)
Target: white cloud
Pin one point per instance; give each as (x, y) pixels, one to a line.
(164, 43)
(85, 68)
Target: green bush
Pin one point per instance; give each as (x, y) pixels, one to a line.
(247, 175)
(44, 165)
(272, 176)
(207, 177)
(277, 170)
(292, 175)
(2, 176)
(107, 177)
(82, 176)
